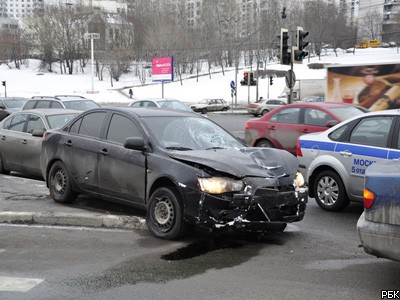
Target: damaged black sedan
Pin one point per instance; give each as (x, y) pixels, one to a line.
(180, 167)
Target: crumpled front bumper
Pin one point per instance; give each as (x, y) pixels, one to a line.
(265, 209)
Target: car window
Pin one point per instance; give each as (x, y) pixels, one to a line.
(80, 104)
(29, 104)
(56, 104)
(34, 122)
(137, 104)
(17, 123)
(316, 117)
(121, 128)
(346, 112)
(189, 133)
(56, 121)
(372, 131)
(43, 104)
(288, 115)
(91, 124)
(337, 134)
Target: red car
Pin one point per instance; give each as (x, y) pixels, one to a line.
(281, 127)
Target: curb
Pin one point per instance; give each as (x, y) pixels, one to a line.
(74, 219)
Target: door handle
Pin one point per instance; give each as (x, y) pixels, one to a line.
(103, 151)
(24, 141)
(345, 153)
(3, 137)
(68, 143)
(272, 128)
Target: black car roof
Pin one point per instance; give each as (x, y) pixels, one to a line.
(145, 112)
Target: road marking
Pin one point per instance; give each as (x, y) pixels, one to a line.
(15, 284)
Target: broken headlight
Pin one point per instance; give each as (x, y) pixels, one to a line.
(299, 180)
(219, 185)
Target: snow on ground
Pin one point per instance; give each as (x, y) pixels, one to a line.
(30, 81)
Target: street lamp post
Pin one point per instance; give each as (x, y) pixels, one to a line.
(92, 36)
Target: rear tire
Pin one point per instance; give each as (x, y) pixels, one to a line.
(165, 214)
(2, 170)
(225, 109)
(265, 144)
(264, 112)
(60, 184)
(329, 191)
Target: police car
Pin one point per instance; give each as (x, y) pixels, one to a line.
(334, 161)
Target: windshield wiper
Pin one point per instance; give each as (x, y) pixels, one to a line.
(178, 148)
(213, 148)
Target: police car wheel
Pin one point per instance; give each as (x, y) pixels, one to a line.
(265, 143)
(330, 192)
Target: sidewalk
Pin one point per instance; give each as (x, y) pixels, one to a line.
(27, 201)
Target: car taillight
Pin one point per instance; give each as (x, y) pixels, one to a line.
(369, 198)
(298, 149)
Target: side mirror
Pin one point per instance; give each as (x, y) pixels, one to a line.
(135, 143)
(331, 123)
(38, 132)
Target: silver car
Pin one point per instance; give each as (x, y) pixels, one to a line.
(21, 138)
(264, 106)
(334, 161)
(165, 103)
(207, 105)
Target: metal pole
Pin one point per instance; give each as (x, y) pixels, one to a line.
(91, 46)
(236, 83)
(258, 48)
(162, 89)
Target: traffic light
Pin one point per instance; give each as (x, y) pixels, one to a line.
(298, 52)
(271, 80)
(284, 47)
(3, 83)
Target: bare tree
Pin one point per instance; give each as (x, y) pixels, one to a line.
(370, 25)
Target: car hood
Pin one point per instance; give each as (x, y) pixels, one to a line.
(251, 161)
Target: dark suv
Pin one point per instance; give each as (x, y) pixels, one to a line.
(60, 101)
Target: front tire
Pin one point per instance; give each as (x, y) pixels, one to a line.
(204, 111)
(264, 112)
(60, 184)
(330, 192)
(165, 214)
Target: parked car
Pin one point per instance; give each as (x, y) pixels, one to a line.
(8, 105)
(333, 162)
(264, 106)
(207, 105)
(164, 103)
(21, 138)
(392, 44)
(314, 99)
(180, 167)
(60, 101)
(281, 127)
(379, 225)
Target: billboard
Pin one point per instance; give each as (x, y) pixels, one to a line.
(163, 69)
(375, 86)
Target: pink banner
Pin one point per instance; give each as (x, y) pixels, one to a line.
(162, 69)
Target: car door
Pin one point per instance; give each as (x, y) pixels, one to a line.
(366, 144)
(31, 146)
(81, 148)
(315, 120)
(283, 128)
(12, 136)
(122, 171)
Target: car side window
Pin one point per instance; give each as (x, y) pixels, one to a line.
(92, 124)
(289, 115)
(121, 127)
(372, 131)
(17, 123)
(136, 104)
(34, 122)
(56, 104)
(316, 117)
(43, 104)
(30, 104)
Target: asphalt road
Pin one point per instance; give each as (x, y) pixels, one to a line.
(317, 258)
